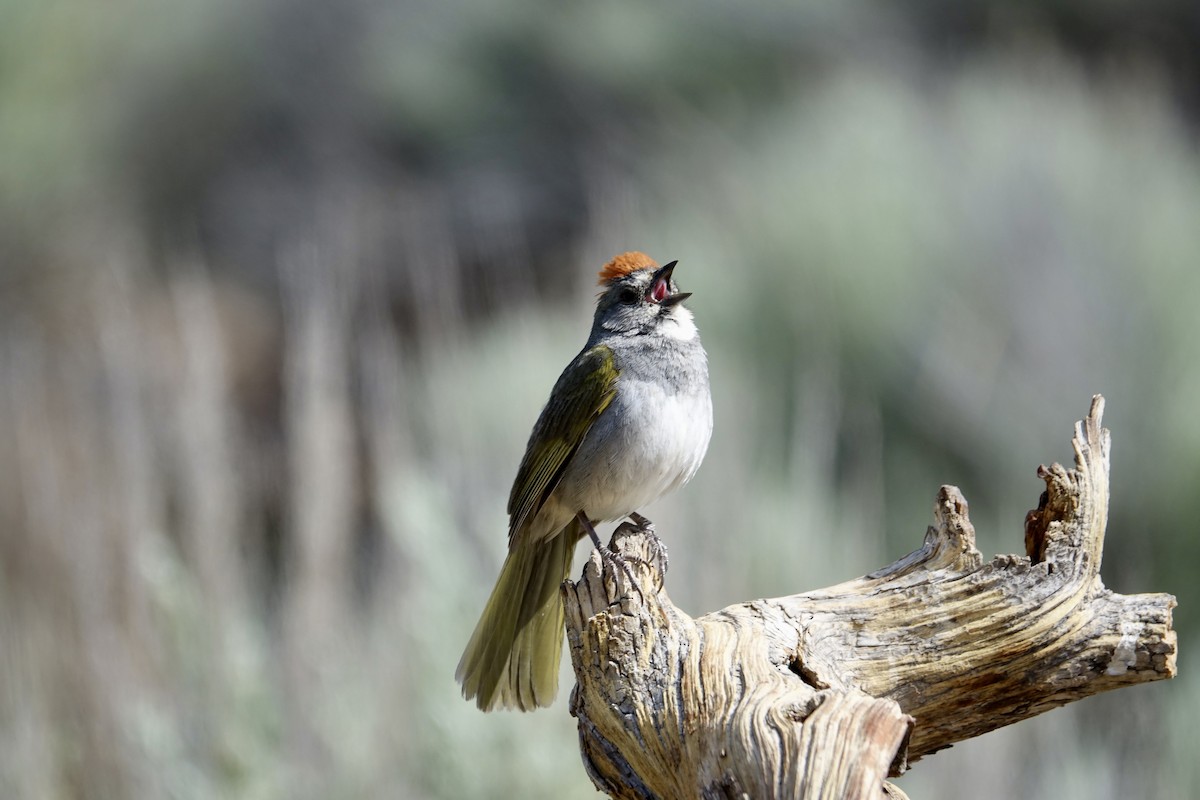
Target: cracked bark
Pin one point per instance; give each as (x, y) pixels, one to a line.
(827, 693)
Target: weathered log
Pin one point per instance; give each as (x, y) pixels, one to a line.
(827, 693)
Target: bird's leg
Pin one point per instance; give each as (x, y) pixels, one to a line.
(591, 530)
(613, 554)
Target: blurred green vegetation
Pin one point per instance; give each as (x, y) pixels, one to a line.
(284, 285)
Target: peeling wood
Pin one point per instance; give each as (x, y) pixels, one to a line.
(826, 693)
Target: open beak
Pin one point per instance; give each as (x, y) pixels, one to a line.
(664, 273)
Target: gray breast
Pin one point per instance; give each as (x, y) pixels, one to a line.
(653, 436)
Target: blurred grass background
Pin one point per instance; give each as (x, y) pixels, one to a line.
(283, 286)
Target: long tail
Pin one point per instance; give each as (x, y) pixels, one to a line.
(513, 656)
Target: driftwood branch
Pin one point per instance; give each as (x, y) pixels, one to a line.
(827, 693)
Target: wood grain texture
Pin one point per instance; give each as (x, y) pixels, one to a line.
(826, 693)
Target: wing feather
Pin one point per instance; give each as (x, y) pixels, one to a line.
(584, 390)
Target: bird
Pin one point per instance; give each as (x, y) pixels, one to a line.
(627, 421)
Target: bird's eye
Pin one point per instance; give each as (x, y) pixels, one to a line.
(628, 296)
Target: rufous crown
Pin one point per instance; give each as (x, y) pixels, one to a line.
(624, 264)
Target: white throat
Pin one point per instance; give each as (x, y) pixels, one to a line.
(679, 324)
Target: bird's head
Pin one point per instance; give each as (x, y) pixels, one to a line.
(639, 297)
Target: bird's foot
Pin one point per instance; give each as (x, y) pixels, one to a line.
(642, 523)
(626, 564)
(647, 527)
(611, 554)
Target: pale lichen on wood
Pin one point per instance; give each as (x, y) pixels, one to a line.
(828, 692)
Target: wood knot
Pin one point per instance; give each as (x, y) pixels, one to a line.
(955, 535)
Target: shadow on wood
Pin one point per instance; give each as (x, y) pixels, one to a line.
(827, 693)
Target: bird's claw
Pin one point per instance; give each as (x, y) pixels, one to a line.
(642, 523)
(610, 553)
(626, 565)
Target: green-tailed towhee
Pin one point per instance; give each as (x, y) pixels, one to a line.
(628, 421)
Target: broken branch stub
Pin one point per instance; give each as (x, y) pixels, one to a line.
(826, 693)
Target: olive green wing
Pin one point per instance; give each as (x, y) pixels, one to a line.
(586, 387)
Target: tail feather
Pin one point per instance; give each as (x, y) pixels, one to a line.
(512, 658)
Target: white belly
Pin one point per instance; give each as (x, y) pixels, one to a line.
(648, 442)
